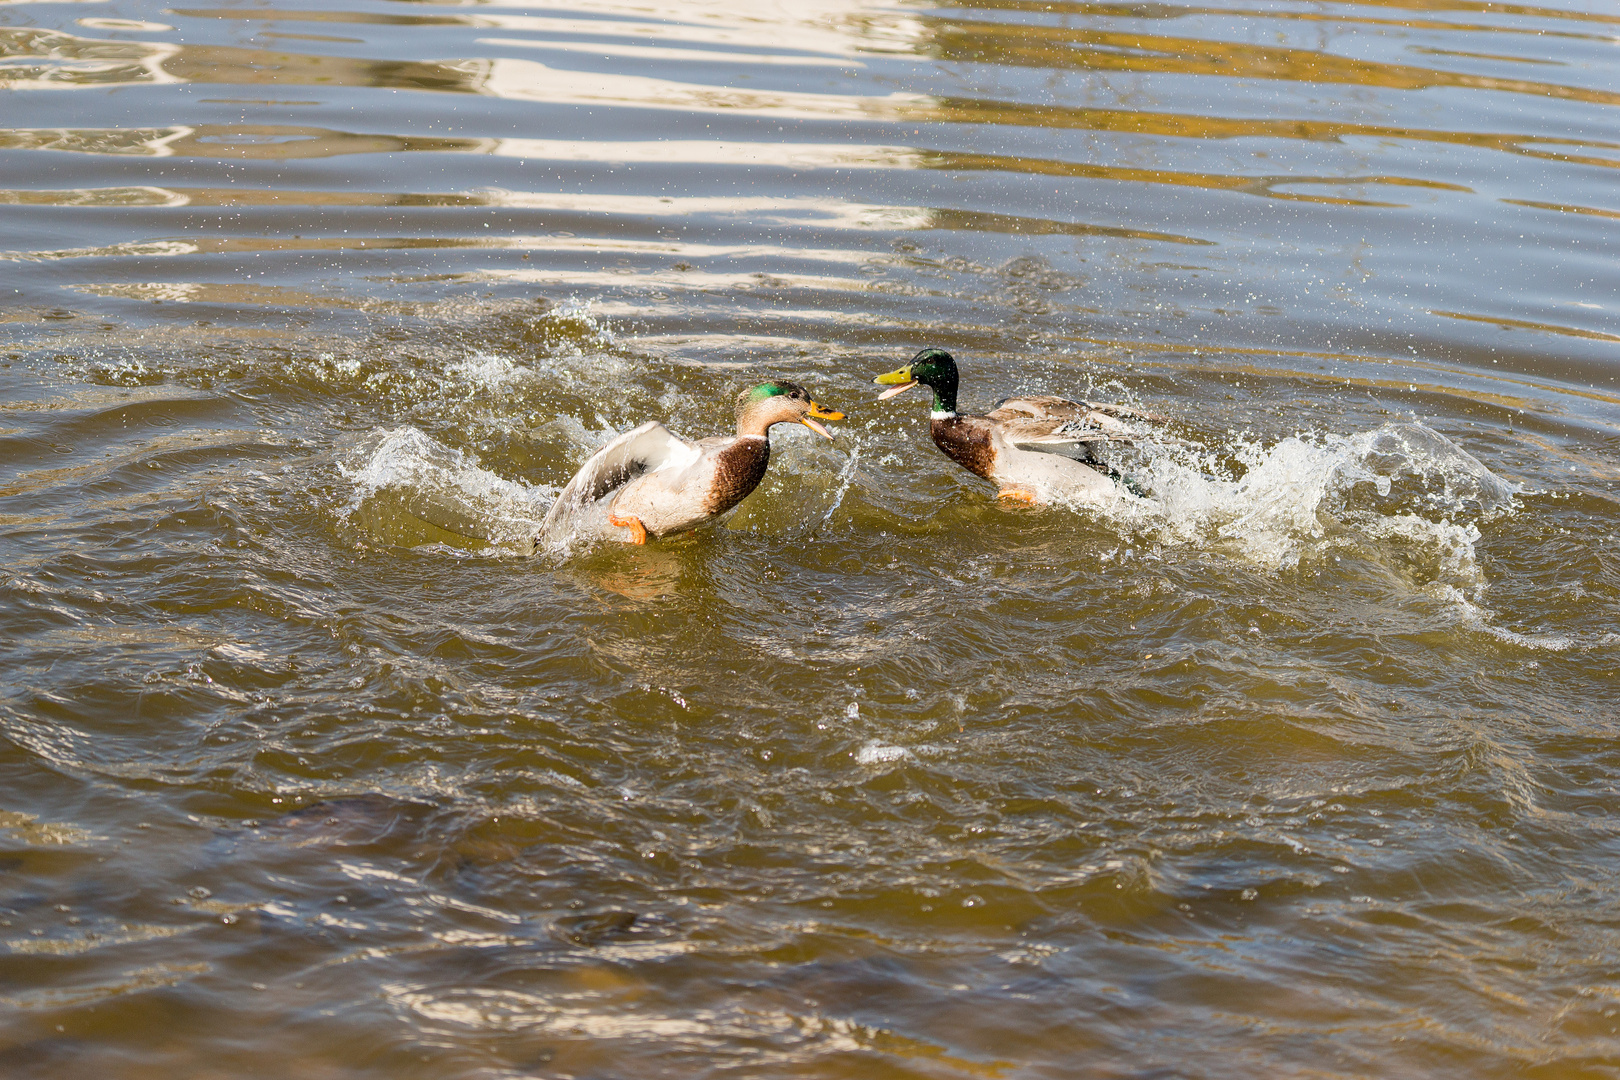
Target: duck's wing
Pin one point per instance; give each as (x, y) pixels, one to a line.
(1057, 436)
(1054, 424)
(1037, 407)
(640, 450)
(1044, 407)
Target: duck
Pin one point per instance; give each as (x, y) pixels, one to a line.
(651, 482)
(1023, 444)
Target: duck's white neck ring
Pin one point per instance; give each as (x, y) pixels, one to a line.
(941, 414)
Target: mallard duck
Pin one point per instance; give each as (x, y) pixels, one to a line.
(1021, 444)
(652, 482)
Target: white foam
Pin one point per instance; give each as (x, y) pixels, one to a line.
(1401, 482)
(572, 326)
(487, 371)
(876, 753)
(444, 487)
(1478, 618)
(1402, 495)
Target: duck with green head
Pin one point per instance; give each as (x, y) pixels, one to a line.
(651, 482)
(1023, 445)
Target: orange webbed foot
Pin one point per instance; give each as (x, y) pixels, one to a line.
(638, 531)
(1017, 496)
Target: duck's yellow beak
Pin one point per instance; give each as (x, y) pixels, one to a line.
(902, 376)
(819, 412)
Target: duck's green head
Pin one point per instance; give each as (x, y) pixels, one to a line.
(780, 402)
(933, 368)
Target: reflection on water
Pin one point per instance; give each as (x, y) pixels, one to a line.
(1058, 48)
(311, 764)
(67, 61)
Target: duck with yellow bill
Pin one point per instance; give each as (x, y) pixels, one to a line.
(650, 482)
(1035, 449)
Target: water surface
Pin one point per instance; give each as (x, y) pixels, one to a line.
(1301, 762)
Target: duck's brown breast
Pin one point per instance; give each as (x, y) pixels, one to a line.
(738, 469)
(966, 441)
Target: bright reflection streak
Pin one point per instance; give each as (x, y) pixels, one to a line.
(830, 29)
(700, 152)
(654, 52)
(528, 80)
(813, 25)
(49, 60)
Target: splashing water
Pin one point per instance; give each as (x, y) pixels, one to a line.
(411, 490)
(487, 371)
(1404, 488)
(1401, 483)
(571, 329)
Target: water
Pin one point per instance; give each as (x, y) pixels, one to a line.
(1301, 761)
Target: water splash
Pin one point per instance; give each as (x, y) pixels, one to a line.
(488, 371)
(845, 477)
(1477, 617)
(411, 490)
(571, 329)
(1401, 501)
(1401, 483)
(877, 753)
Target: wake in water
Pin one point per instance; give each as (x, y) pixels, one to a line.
(1404, 491)
(1401, 481)
(410, 490)
(1402, 497)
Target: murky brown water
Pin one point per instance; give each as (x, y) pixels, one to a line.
(1302, 763)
